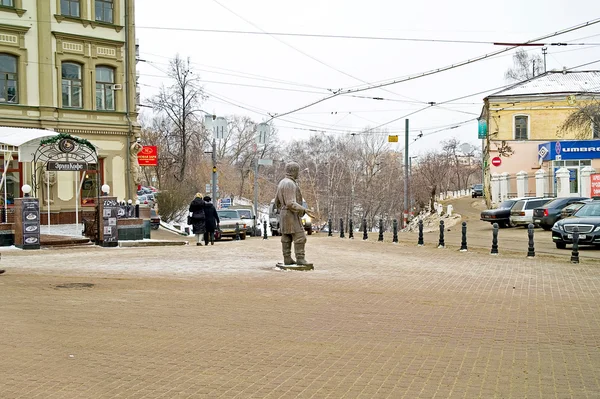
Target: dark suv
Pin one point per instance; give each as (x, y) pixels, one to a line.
(477, 191)
(547, 215)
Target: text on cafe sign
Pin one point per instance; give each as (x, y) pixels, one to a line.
(66, 166)
(595, 185)
(570, 150)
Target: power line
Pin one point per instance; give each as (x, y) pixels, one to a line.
(439, 70)
(352, 37)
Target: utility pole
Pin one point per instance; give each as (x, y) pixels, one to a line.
(214, 170)
(544, 52)
(406, 175)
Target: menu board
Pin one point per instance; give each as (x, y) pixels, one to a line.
(110, 211)
(30, 217)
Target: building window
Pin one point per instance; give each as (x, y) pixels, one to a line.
(7, 3)
(521, 127)
(105, 93)
(8, 79)
(70, 8)
(91, 183)
(104, 11)
(71, 86)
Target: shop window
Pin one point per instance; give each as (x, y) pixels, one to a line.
(104, 11)
(105, 92)
(8, 79)
(521, 128)
(7, 3)
(71, 85)
(13, 182)
(70, 8)
(91, 183)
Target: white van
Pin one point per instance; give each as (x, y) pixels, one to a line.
(521, 214)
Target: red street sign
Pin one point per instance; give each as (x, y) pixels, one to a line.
(595, 184)
(496, 161)
(148, 156)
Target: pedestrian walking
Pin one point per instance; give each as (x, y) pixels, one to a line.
(212, 221)
(197, 217)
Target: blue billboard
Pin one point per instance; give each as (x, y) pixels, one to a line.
(569, 150)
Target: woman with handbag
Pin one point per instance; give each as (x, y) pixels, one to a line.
(197, 218)
(212, 221)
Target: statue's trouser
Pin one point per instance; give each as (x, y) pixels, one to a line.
(299, 240)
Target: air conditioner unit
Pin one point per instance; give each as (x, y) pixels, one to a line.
(117, 87)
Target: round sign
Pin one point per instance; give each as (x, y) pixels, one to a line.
(496, 161)
(66, 145)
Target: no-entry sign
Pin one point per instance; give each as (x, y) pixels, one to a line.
(496, 161)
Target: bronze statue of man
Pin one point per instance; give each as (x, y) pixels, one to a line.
(289, 203)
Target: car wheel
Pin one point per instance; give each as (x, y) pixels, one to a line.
(561, 245)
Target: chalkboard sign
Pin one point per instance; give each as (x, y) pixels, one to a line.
(109, 211)
(30, 222)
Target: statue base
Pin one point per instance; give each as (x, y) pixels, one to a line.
(307, 267)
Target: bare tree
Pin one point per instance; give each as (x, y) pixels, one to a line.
(526, 66)
(433, 170)
(179, 103)
(585, 121)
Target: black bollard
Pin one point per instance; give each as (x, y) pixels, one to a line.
(463, 242)
(265, 230)
(575, 253)
(420, 242)
(395, 230)
(530, 249)
(495, 239)
(441, 244)
(237, 231)
(342, 228)
(137, 211)
(329, 225)
(365, 234)
(350, 229)
(380, 238)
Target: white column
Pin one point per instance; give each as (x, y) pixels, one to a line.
(495, 187)
(450, 209)
(586, 181)
(563, 188)
(522, 186)
(504, 184)
(541, 183)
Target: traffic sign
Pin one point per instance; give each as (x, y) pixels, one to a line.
(496, 161)
(225, 202)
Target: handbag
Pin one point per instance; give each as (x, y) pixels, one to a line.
(189, 220)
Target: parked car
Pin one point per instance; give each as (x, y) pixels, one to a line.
(569, 210)
(246, 212)
(545, 216)
(587, 220)
(147, 199)
(229, 218)
(521, 213)
(501, 214)
(477, 191)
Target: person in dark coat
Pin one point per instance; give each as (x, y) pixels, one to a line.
(197, 217)
(212, 221)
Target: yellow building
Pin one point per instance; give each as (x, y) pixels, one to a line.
(524, 128)
(68, 66)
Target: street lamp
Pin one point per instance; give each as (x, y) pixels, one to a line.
(105, 189)
(26, 188)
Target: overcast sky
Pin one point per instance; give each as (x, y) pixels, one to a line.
(295, 71)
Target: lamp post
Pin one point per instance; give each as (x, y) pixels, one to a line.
(105, 189)
(26, 188)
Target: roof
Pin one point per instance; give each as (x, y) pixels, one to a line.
(17, 136)
(555, 82)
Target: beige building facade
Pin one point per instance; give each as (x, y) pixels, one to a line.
(68, 66)
(524, 129)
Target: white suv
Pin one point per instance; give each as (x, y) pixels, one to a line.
(521, 213)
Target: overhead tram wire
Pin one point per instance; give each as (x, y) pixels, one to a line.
(439, 70)
(306, 54)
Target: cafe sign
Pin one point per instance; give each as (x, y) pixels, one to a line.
(148, 156)
(62, 166)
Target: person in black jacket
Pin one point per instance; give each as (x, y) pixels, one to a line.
(212, 221)
(197, 217)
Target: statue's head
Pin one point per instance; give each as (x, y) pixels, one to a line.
(292, 169)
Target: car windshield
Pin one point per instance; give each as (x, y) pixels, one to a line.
(588, 210)
(478, 187)
(245, 214)
(506, 205)
(228, 214)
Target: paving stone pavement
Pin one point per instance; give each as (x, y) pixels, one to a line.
(374, 320)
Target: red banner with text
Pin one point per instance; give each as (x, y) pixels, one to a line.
(148, 156)
(595, 185)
